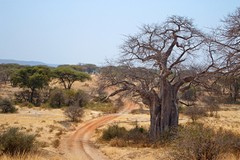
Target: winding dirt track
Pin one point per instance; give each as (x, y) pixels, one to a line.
(77, 146)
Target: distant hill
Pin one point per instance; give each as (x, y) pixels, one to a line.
(29, 63)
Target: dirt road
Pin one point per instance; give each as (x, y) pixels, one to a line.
(77, 145)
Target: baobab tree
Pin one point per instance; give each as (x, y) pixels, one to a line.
(156, 64)
(226, 40)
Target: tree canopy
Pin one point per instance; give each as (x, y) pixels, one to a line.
(67, 76)
(32, 77)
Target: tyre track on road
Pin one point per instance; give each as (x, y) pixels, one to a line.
(77, 145)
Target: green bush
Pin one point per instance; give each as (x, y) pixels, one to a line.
(57, 98)
(6, 106)
(15, 142)
(113, 132)
(120, 137)
(60, 97)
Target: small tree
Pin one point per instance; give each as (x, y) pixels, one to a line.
(33, 78)
(74, 113)
(67, 76)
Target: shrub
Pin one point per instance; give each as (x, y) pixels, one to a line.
(113, 132)
(69, 96)
(15, 142)
(137, 135)
(211, 105)
(60, 97)
(120, 137)
(56, 98)
(198, 142)
(195, 112)
(74, 113)
(6, 106)
(26, 95)
(81, 98)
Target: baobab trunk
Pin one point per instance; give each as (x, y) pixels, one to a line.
(163, 111)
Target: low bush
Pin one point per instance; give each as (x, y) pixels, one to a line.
(81, 98)
(195, 112)
(198, 142)
(74, 113)
(14, 142)
(56, 99)
(120, 137)
(6, 106)
(113, 132)
(61, 97)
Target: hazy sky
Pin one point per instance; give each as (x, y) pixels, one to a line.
(90, 31)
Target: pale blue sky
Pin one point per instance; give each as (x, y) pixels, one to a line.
(90, 31)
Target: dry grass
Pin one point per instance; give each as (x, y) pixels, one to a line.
(49, 124)
(37, 121)
(21, 157)
(228, 119)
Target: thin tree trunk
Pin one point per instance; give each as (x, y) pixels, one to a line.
(31, 95)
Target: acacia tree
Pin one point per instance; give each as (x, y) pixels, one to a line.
(67, 76)
(33, 78)
(156, 63)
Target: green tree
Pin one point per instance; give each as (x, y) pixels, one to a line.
(67, 76)
(33, 78)
(6, 71)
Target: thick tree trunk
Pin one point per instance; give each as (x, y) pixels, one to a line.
(163, 110)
